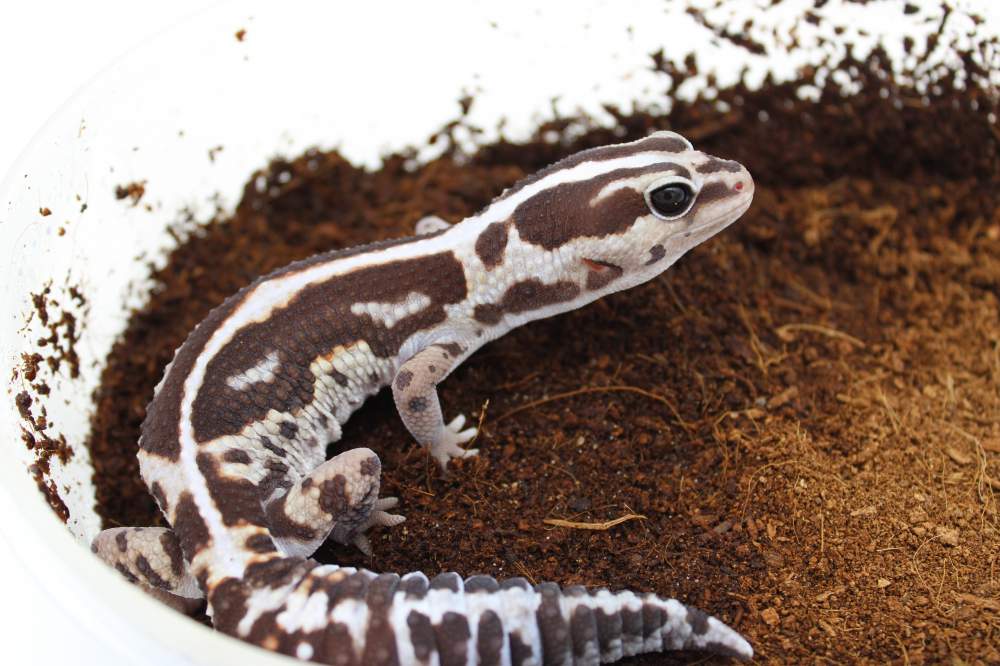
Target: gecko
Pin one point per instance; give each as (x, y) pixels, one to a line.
(233, 444)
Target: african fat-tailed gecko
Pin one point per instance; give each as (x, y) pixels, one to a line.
(233, 444)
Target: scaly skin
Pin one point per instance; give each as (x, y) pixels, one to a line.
(233, 445)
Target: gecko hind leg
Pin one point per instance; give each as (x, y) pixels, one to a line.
(151, 558)
(337, 500)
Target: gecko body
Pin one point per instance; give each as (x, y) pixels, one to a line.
(233, 444)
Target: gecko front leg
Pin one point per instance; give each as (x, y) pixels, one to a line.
(414, 390)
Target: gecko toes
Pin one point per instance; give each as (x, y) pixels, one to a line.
(451, 438)
(363, 544)
(443, 453)
(385, 519)
(454, 433)
(380, 516)
(465, 435)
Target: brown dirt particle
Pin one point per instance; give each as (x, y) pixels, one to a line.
(133, 191)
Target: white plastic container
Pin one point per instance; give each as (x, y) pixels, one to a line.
(365, 78)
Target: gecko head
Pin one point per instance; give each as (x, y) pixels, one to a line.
(618, 215)
(692, 197)
(668, 200)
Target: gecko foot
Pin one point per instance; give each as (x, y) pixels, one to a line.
(449, 443)
(378, 516)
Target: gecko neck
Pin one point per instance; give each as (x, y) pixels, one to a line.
(512, 282)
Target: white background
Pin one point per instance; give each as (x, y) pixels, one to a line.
(48, 50)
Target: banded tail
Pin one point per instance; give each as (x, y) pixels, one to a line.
(351, 617)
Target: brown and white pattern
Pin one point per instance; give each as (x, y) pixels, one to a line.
(233, 445)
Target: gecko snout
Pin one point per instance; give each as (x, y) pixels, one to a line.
(743, 189)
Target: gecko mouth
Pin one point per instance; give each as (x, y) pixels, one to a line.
(599, 266)
(736, 211)
(725, 218)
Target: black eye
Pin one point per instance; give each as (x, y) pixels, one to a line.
(671, 200)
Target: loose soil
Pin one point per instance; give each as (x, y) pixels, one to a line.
(804, 410)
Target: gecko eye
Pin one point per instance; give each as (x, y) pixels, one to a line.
(671, 200)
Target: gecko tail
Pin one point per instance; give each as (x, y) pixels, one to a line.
(607, 626)
(340, 615)
(576, 625)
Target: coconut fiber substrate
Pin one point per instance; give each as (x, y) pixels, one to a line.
(799, 420)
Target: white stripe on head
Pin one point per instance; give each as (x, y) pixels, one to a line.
(640, 183)
(505, 207)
